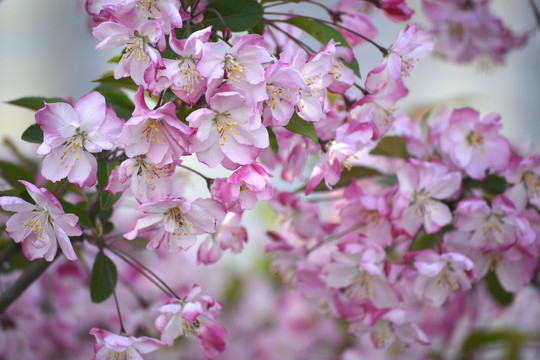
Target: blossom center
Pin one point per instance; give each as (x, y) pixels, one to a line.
(446, 280)
(153, 132)
(360, 287)
(532, 183)
(72, 147)
(136, 46)
(234, 70)
(36, 224)
(150, 172)
(189, 74)
(225, 126)
(149, 6)
(476, 140)
(182, 225)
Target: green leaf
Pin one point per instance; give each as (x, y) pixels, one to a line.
(108, 200)
(482, 338)
(493, 184)
(497, 291)
(298, 125)
(239, 15)
(115, 60)
(105, 168)
(12, 173)
(391, 146)
(118, 100)
(33, 134)
(79, 210)
(427, 241)
(324, 33)
(273, 141)
(257, 29)
(108, 79)
(356, 172)
(34, 102)
(104, 277)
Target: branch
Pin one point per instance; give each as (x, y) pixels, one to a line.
(30, 274)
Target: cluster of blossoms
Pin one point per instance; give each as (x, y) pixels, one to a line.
(383, 253)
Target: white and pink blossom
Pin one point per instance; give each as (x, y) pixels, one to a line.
(42, 226)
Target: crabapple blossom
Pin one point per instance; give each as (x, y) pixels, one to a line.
(343, 77)
(359, 270)
(465, 30)
(422, 186)
(350, 138)
(492, 228)
(110, 346)
(411, 45)
(72, 133)
(158, 133)
(246, 186)
(475, 145)
(386, 326)
(229, 235)
(138, 40)
(42, 226)
(385, 87)
(283, 83)
(230, 132)
(195, 314)
(440, 274)
(524, 173)
(351, 17)
(146, 181)
(242, 62)
(176, 222)
(182, 75)
(316, 72)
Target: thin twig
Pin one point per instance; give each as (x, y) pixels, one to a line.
(133, 260)
(382, 49)
(209, 180)
(297, 41)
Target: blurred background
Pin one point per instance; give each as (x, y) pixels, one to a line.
(46, 49)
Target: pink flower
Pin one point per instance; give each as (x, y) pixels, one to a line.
(525, 175)
(283, 83)
(492, 228)
(351, 17)
(317, 77)
(194, 314)
(467, 30)
(350, 138)
(183, 77)
(229, 235)
(231, 130)
(111, 346)
(246, 186)
(475, 145)
(439, 275)
(39, 227)
(358, 268)
(71, 133)
(146, 181)
(411, 45)
(177, 222)
(242, 62)
(138, 40)
(158, 133)
(421, 185)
